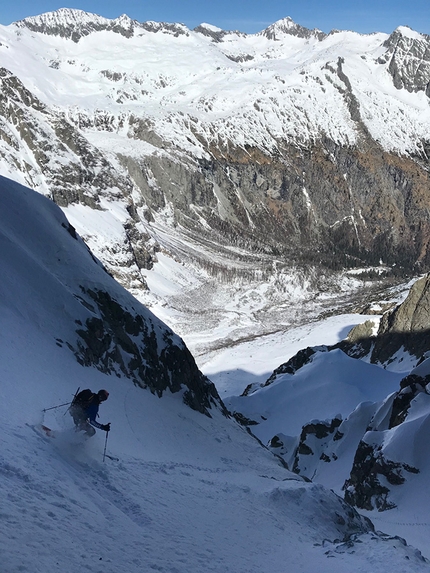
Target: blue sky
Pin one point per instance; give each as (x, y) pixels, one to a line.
(364, 16)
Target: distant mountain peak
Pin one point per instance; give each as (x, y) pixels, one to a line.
(217, 34)
(210, 27)
(75, 24)
(287, 27)
(67, 23)
(63, 17)
(407, 32)
(408, 59)
(406, 35)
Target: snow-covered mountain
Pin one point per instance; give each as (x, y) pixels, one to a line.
(280, 155)
(188, 491)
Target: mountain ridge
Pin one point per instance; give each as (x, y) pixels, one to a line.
(62, 20)
(75, 24)
(67, 17)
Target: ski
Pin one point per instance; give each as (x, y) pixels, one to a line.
(47, 431)
(112, 458)
(42, 430)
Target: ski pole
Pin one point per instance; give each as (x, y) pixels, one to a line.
(53, 407)
(104, 453)
(76, 393)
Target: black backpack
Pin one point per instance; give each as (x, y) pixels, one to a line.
(83, 399)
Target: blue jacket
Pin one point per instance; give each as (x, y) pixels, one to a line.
(92, 413)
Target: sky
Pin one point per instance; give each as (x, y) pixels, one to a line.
(364, 16)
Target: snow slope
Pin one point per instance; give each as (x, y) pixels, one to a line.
(332, 383)
(360, 395)
(189, 492)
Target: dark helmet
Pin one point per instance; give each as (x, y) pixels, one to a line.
(103, 395)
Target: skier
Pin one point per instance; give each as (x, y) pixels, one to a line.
(84, 410)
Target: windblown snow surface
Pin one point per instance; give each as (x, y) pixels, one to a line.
(189, 493)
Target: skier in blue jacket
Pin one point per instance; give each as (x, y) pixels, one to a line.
(85, 409)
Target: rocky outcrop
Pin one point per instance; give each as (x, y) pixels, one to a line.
(408, 56)
(116, 340)
(311, 443)
(371, 478)
(406, 327)
(360, 340)
(410, 387)
(403, 329)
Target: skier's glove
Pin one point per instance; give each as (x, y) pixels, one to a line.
(106, 427)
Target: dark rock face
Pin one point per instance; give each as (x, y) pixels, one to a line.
(119, 341)
(389, 192)
(410, 387)
(216, 35)
(407, 326)
(319, 431)
(364, 488)
(404, 327)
